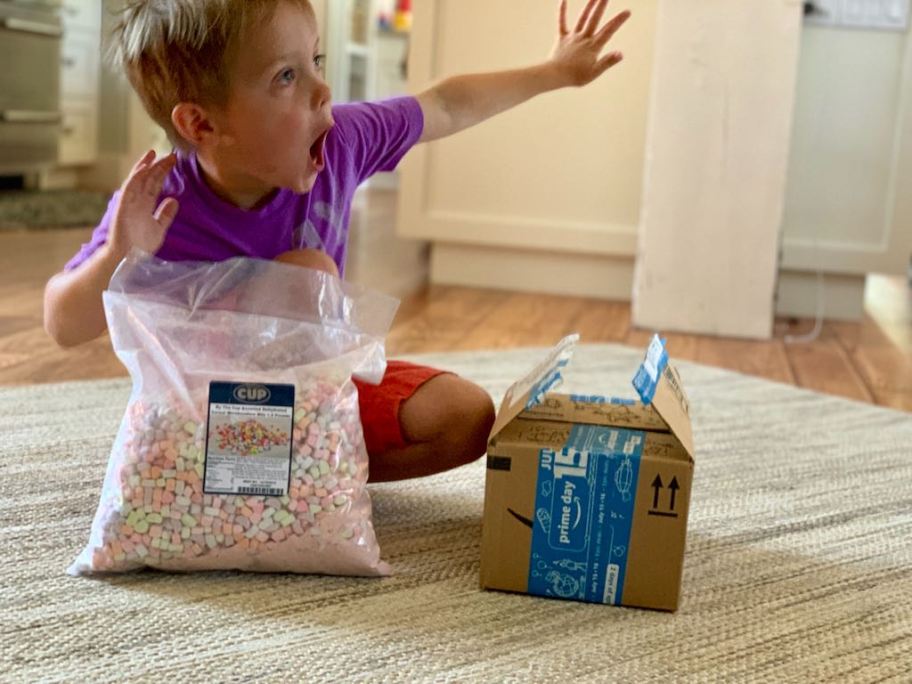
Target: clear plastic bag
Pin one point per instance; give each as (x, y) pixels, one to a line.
(204, 344)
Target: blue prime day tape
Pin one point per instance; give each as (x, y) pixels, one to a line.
(584, 501)
(647, 377)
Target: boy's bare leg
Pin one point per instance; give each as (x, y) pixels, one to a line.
(446, 423)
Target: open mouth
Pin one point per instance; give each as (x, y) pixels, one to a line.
(316, 151)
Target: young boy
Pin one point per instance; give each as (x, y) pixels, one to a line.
(266, 167)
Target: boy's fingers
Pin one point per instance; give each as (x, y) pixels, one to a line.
(142, 163)
(612, 27)
(153, 177)
(133, 186)
(562, 18)
(608, 61)
(166, 163)
(145, 159)
(148, 164)
(166, 212)
(143, 187)
(584, 16)
(596, 18)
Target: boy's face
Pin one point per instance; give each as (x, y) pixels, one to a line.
(278, 113)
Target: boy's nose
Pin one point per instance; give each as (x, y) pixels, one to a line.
(321, 96)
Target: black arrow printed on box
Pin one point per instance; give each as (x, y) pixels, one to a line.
(658, 486)
(674, 491)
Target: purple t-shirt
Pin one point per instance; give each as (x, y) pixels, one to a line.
(367, 138)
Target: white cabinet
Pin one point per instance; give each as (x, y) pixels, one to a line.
(863, 14)
(364, 63)
(351, 34)
(545, 197)
(392, 55)
(82, 15)
(79, 134)
(79, 83)
(79, 64)
(848, 209)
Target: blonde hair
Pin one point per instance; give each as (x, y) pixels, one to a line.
(176, 51)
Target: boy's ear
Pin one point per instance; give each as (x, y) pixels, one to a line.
(193, 124)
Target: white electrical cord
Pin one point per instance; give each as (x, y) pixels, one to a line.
(814, 334)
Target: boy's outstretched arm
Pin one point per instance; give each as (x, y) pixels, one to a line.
(463, 101)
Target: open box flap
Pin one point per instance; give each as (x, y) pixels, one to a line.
(658, 383)
(531, 389)
(597, 410)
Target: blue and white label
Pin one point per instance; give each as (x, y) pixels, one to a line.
(583, 515)
(547, 375)
(647, 377)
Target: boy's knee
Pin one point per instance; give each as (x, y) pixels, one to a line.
(454, 414)
(470, 422)
(310, 258)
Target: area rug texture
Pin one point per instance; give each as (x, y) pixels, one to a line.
(44, 209)
(798, 564)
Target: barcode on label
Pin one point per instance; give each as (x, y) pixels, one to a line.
(260, 491)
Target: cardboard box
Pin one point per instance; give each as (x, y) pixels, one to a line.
(586, 497)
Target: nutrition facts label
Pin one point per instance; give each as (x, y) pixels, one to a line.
(249, 439)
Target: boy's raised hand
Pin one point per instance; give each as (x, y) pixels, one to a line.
(137, 221)
(577, 54)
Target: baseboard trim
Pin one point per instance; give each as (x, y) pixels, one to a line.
(580, 275)
(841, 296)
(606, 277)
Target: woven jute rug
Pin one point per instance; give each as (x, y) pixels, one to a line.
(798, 565)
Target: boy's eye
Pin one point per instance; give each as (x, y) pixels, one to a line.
(287, 75)
(320, 61)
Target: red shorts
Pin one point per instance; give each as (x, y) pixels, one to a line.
(380, 404)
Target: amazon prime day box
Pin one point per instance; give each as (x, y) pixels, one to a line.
(586, 497)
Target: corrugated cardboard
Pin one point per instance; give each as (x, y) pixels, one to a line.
(568, 476)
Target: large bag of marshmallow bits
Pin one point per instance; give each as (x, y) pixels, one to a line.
(241, 446)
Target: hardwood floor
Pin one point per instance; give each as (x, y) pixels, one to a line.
(870, 361)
